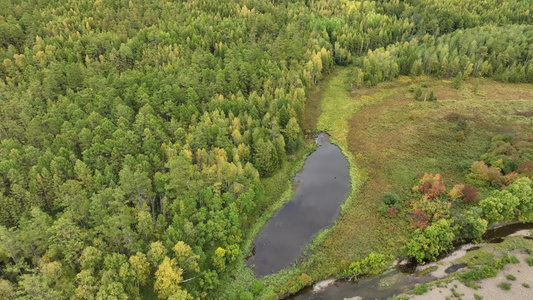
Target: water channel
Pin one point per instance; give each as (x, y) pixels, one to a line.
(405, 276)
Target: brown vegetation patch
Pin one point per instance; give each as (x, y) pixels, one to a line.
(505, 91)
(364, 228)
(444, 91)
(313, 108)
(527, 114)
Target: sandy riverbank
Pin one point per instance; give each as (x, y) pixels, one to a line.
(489, 287)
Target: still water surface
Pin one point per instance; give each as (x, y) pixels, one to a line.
(320, 188)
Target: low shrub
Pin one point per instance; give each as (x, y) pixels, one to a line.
(529, 261)
(501, 206)
(465, 192)
(421, 289)
(476, 274)
(421, 219)
(526, 169)
(257, 287)
(470, 225)
(470, 194)
(389, 205)
(418, 94)
(427, 244)
(500, 263)
(246, 296)
(483, 175)
(372, 264)
(432, 186)
(505, 286)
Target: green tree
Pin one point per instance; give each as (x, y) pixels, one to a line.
(67, 240)
(112, 291)
(185, 257)
(140, 268)
(156, 254)
(428, 243)
(458, 81)
(522, 189)
(500, 207)
(87, 287)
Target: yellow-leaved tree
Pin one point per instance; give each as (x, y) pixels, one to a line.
(168, 277)
(171, 272)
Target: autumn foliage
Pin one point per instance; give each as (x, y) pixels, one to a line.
(470, 194)
(465, 192)
(526, 169)
(421, 219)
(430, 186)
(431, 202)
(392, 212)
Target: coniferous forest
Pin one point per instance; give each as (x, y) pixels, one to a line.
(136, 135)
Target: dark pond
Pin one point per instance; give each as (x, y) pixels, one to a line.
(401, 279)
(320, 189)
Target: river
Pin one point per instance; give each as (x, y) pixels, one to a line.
(404, 277)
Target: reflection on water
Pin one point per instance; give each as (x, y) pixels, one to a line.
(320, 189)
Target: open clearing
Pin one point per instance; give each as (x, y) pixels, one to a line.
(391, 137)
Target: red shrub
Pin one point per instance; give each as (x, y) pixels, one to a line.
(424, 188)
(392, 211)
(421, 219)
(470, 194)
(432, 186)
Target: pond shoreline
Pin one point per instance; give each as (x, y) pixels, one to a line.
(320, 188)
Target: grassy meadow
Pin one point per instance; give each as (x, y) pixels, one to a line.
(389, 138)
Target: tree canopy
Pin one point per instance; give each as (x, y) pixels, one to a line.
(134, 134)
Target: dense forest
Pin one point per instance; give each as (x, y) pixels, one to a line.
(135, 134)
(503, 53)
